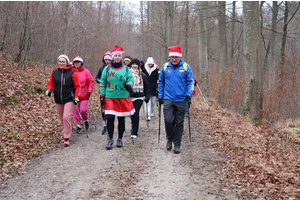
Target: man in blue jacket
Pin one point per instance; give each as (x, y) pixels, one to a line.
(175, 89)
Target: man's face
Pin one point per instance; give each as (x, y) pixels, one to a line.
(175, 60)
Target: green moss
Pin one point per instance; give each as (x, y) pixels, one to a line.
(40, 90)
(9, 100)
(293, 130)
(27, 87)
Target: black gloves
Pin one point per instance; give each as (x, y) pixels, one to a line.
(187, 98)
(160, 101)
(128, 87)
(102, 100)
(147, 99)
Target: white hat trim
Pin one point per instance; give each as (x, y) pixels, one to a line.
(78, 59)
(63, 56)
(107, 57)
(175, 54)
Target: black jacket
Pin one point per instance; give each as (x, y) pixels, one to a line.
(153, 78)
(146, 92)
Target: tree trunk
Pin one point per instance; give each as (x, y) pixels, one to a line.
(224, 52)
(170, 23)
(272, 46)
(64, 18)
(185, 52)
(142, 25)
(5, 27)
(202, 38)
(285, 25)
(252, 59)
(232, 33)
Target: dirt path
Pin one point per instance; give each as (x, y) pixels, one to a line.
(143, 170)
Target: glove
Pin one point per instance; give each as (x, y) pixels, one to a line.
(48, 93)
(160, 101)
(88, 93)
(147, 99)
(195, 84)
(102, 100)
(187, 98)
(76, 101)
(128, 87)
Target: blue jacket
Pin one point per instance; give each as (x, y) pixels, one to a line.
(99, 73)
(175, 84)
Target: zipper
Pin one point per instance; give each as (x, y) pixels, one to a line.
(62, 83)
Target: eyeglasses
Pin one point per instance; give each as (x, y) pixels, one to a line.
(62, 62)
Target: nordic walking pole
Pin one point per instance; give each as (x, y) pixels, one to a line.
(203, 97)
(159, 114)
(189, 123)
(51, 107)
(147, 115)
(130, 116)
(81, 120)
(105, 122)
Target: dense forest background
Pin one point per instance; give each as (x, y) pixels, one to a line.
(243, 54)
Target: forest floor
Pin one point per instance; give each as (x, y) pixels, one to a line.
(228, 158)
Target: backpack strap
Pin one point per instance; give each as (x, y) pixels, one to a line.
(184, 66)
(107, 69)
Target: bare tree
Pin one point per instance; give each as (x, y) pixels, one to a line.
(202, 38)
(252, 59)
(64, 19)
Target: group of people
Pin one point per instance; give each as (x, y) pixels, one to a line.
(124, 85)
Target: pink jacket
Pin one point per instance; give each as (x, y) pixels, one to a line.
(86, 82)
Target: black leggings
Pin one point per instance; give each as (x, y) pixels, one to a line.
(111, 125)
(136, 116)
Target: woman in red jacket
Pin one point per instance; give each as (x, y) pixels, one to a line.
(86, 88)
(65, 82)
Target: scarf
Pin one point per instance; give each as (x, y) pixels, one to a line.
(148, 69)
(116, 65)
(138, 85)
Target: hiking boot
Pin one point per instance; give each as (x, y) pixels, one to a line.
(78, 129)
(186, 114)
(148, 118)
(134, 136)
(177, 149)
(169, 145)
(66, 142)
(104, 130)
(119, 143)
(109, 144)
(87, 125)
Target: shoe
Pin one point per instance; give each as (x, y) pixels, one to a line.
(63, 140)
(134, 136)
(186, 114)
(78, 129)
(104, 130)
(148, 118)
(109, 144)
(87, 126)
(66, 142)
(119, 143)
(169, 145)
(177, 149)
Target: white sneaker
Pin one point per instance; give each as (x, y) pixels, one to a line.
(133, 136)
(148, 118)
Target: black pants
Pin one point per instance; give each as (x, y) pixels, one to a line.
(136, 116)
(111, 125)
(174, 116)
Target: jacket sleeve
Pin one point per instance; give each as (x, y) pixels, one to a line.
(76, 84)
(190, 81)
(146, 85)
(161, 84)
(90, 81)
(50, 83)
(99, 74)
(103, 82)
(130, 79)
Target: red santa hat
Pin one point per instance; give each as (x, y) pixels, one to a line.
(77, 58)
(117, 49)
(64, 56)
(175, 51)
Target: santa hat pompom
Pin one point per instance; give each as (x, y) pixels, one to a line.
(175, 51)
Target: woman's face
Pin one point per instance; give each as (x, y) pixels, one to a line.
(77, 64)
(134, 66)
(126, 62)
(107, 62)
(117, 58)
(151, 65)
(62, 62)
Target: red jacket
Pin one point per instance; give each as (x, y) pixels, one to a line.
(86, 82)
(66, 84)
